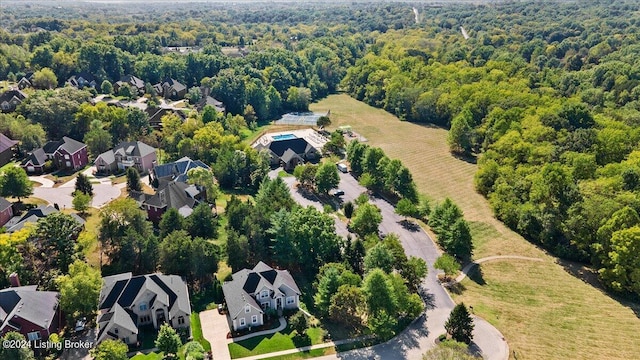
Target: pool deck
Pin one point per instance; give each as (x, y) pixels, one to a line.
(314, 138)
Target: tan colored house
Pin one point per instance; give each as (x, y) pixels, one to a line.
(127, 154)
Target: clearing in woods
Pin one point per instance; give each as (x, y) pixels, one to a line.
(543, 311)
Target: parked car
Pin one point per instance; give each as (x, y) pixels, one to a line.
(336, 192)
(342, 167)
(80, 324)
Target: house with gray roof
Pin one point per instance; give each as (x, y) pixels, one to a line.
(10, 99)
(33, 215)
(170, 89)
(289, 152)
(174, 171)
(135, 83)
(34, 314)
(66, 154)
(8, 147)
(252, 292)
(127, 154)
(129, 302)
(174, 194)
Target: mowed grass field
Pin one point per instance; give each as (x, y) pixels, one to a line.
(543, 311)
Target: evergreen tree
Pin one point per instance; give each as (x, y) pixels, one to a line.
(460, 324)
(83, 184)
(171, 221)
(133, 179)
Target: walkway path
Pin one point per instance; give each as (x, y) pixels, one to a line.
(471, 265)
(305, 348)
(43, 181)
(283, 324)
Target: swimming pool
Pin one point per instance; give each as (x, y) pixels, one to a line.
(284, 137)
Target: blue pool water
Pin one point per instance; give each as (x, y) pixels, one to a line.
(284, 137)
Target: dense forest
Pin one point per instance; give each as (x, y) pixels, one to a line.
(547, 100)
(545, 96)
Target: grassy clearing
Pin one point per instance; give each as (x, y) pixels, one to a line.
(543, 311)
(149, 356)
(305, 355)
(279, 341)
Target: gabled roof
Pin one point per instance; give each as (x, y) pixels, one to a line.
(288, 155)
(37, 307)
(33, 215)
(6, 143)
(70, 145)
(156, 114)
(173, 195)
(173, 83)
(239, 291)
(37, 157)
(119, 291)
(133, 81)
(11, 93)
(178, 169)
(127, 148)
(297, 145)
(208, 100)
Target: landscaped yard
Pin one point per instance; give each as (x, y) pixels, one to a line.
(149, 356)
(543, 311)
(279, 341)
(196, 332)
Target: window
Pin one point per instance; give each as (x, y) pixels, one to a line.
(115, 330)
(290, 300)
(254, 319)
(265, 293)
(143, 307)
(180, 320)
(247, 308)
(66, 156)
(33, 336)
(242, 322)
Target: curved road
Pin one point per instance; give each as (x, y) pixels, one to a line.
(419, 337)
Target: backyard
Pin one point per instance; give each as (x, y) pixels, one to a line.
(284, 340)
(540, 307)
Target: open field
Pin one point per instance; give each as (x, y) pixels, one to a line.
(543, 311)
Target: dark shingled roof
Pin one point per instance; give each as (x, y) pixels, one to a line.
(178, 170)
(70, 145)
(6, 143)
(37, 307)
(36, 157)
(298, 145)
(172, 195)
(33, 215)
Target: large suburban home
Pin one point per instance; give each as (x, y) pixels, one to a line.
(8, 148)
(155, 116)
(34, 314)
(10, 99)
(174, 171)
(170, 89)
(208, 100)
(135, 83)
(129, 302)
(252, 292)
(82, 80)
(33, 215)
(66, 154)
(174, 194)
(291, 148)
(6, 211)
(127, 154)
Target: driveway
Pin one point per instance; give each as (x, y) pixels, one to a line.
(419, 337)
(214, 329)
(78, 344)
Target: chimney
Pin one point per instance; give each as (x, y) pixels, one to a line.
(14, 280)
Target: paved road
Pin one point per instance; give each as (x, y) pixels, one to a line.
(420, 335)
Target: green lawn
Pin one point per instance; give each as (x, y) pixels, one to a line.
(196, 332)
(279, 341)
(305, 355)
(149, 356)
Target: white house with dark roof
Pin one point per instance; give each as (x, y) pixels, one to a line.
(128, 302)
(252, 292)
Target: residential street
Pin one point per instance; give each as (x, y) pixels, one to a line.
(419, 336)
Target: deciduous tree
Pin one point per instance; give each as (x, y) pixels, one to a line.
(14, 182)
(168, 340)
(79, 290)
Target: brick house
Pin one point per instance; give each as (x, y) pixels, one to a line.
(34, 314)
(6, 211)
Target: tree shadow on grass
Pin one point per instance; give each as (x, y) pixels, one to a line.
(590, 276)
(475, 275)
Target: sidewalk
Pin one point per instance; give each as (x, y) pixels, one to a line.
(306, 348)
(283, 324)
